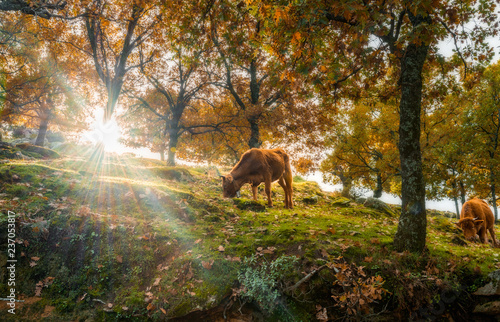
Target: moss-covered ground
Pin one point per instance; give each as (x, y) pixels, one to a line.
(129, 238)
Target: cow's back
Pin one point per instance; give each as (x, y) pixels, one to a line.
(259, 160)
(477, 208)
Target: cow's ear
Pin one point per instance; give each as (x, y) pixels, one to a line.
(223, 178)
(477, 222)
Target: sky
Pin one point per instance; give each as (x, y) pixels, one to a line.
(442, 205)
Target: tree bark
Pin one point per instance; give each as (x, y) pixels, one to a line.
(346, 188)
(493, 192)
(462, 192)
(456, 207)
(42, 129)
(412, 227)
(162, 154)
(377, 193)
(254, 141)
(173, 138)
(42, 9)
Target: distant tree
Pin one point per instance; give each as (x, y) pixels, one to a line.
(364, 146)
(244, 68)
(114, 31)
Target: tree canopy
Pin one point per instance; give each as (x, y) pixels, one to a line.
(358, 86)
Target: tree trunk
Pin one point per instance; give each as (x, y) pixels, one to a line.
(162, 154)
(254, 141)
(412, 227)
(493, 192)
(455, 198)
(462, 192)
(42, 130)
(377, 193)
(456, 207)
(346, 187)
(172, 146)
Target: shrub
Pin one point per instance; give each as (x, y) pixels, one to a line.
(262, 282)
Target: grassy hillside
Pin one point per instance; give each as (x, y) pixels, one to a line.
(131, 238)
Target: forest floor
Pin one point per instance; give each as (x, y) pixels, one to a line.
(118, 237)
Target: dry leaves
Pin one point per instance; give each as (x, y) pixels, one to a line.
(208, 264)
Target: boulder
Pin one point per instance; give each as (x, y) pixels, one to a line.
(490, 308)
(341, 202)
(44, 152)
(493, 287)
(379, 205)
(311, 200)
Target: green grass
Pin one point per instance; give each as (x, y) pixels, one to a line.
(161, 242)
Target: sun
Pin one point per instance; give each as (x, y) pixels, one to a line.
(107, 134)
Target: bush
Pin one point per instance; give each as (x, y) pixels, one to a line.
(262, 282)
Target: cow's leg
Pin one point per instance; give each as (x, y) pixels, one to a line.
(289, 188)
(482, 236)
(254, 191)
(493, 237)
(268, 190)
(283, 185)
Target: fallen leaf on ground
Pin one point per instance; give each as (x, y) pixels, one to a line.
(207, 265)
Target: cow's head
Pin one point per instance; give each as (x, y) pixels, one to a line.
(229, 189)
(470, 226)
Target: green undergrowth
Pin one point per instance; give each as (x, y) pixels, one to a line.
(124, 238)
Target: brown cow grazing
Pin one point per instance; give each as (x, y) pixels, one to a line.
(257, 166)
(476, 217)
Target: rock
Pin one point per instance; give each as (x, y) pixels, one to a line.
(379, 205)
(310, 200)
(490, 308)
(341, 201)
(20, 141)
(493, 287)
(174, 173)
(44, 152)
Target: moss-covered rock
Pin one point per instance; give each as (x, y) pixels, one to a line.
(380, 206)
(341, 202)
(35, 151)
(310, 200)
(174, 173)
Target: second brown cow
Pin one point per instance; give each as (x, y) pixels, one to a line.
(257, 166)
(475, 219)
